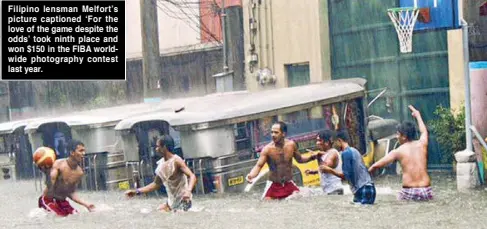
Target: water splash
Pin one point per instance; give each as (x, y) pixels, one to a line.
(196, 209)
(305, 192)
(38, 213)
(379, 190)
(246, 210)
(384, 190)
(145, 210)
(103, 208)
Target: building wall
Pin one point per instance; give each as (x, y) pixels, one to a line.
(183, 74)
(478, 29)
(188, 65)
(176, 28)
(456, 72)
(477, 50)
(185, 27)
(288, 32)
(210, 18)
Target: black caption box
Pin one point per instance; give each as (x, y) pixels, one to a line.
(63, 40)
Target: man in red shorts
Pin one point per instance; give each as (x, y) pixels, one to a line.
(279, 156)
(64, 177)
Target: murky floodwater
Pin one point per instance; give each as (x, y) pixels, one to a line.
(450, 210)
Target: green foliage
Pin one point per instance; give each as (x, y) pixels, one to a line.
(449, 129)
(80, 95)
(98, 102)
(56, 96)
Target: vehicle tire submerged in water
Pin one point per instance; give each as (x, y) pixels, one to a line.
(297, 177)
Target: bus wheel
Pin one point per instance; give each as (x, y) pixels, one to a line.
(297, 176)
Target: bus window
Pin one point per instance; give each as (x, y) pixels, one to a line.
(347, 115)
(242, 136)
(175, 135)
(304, 121)
(297, 123)
(4, 152)
(317, 118)
(3, 143)
(263, 126)
(177, 141)
(333, 116)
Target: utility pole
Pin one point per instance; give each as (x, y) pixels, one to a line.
(224, 80)
(224, 38)
(9, 102)
(150, 45)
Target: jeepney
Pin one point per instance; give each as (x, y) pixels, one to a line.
(104, 163)
(221, 135)
(15, 151)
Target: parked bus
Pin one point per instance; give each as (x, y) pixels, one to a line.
(221, 135)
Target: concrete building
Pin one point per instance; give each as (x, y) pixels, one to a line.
(475, 13)
(289, 38)
(288, 43)
(190, 46)
(175, 28)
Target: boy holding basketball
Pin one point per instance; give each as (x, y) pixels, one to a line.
(63, 178)
(44, 158)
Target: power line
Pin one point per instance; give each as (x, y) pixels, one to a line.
(195, 14)
(201, 25)
(185, 19)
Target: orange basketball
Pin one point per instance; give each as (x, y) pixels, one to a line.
(44, 157)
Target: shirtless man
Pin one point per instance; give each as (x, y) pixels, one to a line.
(173, 173)
(413, 157)
(65, 176)
(278, 155)
(331, 184)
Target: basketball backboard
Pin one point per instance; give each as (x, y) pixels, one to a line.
(443, 14)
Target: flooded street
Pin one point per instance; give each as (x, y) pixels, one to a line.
(450, 210)
(222, 91)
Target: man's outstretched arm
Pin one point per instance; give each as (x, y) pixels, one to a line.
(389, 158)
(304, 159)
(422, 127)
(260, 163)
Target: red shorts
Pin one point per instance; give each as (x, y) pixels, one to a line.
(276, 190)
(60, 207)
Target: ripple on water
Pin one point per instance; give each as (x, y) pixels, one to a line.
(310, 209)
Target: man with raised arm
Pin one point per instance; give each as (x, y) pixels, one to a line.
(413, 157)
(279, 155)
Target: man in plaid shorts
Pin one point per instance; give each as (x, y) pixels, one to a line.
(413, 157)
(354, 171)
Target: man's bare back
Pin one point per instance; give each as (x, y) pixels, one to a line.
(413, 157)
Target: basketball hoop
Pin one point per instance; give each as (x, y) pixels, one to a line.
(404, 19)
